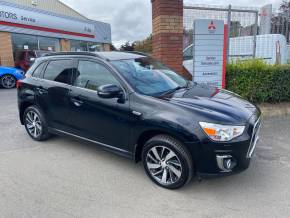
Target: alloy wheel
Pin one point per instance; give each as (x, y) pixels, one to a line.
(33, 124)
(163, 165)
(8, 81)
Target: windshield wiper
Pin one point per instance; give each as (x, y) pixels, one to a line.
(172, 90)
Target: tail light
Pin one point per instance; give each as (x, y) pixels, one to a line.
(18, 84)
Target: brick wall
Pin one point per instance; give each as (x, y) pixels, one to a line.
(167, 20)
(6, 51)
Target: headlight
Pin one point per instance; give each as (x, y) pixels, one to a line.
(221, 133)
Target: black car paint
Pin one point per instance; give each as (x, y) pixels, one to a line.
(122, 126)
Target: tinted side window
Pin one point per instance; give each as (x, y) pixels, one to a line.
(38, 73)
(91, 75)
(59, 71)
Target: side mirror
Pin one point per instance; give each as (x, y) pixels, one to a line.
(109, 91)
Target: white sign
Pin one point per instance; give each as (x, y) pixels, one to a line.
(34, 22)
(265, 23)
(208, 52)
(21, 16)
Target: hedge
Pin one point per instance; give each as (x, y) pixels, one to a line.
(259, 82)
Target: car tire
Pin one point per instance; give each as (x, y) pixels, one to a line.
(167, 162)
(35, 124)
(8, 81)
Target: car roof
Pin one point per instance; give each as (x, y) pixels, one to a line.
(116, 55)
(110, 55)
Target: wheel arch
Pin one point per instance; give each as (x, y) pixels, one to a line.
(7, 74)
(148, 134)
(22, 108)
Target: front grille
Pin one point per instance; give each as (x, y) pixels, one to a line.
(254, 138)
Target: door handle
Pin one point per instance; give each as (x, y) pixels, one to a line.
(41, 90)
(76, 101)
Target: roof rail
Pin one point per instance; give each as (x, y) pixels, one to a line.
(138, 53)
(72, 53)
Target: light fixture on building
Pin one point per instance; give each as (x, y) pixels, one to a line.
(34, 2)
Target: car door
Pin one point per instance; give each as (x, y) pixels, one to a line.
(102, 120)
(53, 92)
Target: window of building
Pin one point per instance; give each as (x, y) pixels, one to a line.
(76, 45)
(48, 44)
(93, 47)
(91, 75)
(59, 71)
(21, 41)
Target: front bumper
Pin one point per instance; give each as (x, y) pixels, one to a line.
(217, 159)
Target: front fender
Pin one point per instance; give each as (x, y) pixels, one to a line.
(176, 126)
(149, 128)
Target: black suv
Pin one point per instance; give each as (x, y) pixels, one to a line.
(134, 106)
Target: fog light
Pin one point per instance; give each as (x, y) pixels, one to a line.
(226, 162)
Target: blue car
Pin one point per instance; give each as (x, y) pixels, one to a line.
(9, 76)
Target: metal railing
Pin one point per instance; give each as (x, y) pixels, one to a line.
(240, 21)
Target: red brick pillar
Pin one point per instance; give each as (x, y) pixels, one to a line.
(6, 50)
(167, 19)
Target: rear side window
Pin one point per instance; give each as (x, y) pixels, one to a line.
(59, 71)
(38, 72)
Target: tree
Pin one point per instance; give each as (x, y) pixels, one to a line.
(113, 48)
(285, 6)
(144, 46)
(284, 17)
(128, 47)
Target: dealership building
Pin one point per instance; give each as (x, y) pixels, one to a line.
(47, 25)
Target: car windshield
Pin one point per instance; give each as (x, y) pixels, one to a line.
(149, 77)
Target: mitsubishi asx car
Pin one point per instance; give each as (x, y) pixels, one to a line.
(132, 105)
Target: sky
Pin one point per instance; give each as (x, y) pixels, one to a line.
(131, 19)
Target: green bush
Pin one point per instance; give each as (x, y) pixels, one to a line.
(258, 81)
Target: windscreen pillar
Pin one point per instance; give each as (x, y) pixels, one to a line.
(167, 20)
(6, 50)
